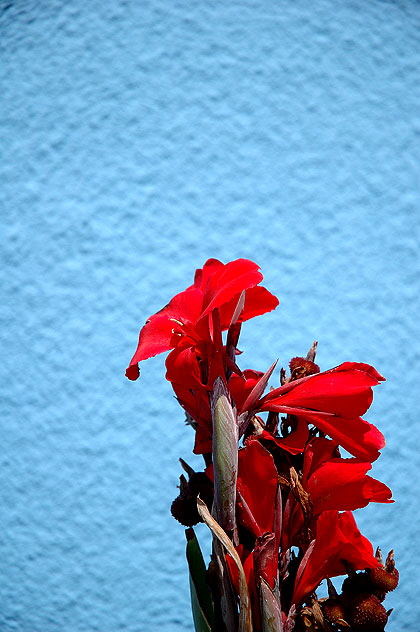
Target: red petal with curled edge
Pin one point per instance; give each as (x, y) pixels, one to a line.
(228, 282)
(345, 391)
(357, 435)
(202, 275)
(258, 300)
(342, 484)
(157, 335)
(132, 371)
(338, 541)
(257, 483)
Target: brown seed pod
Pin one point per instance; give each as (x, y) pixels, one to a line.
(367, 614)
(333, 611)
(383, 580)
(356, 583)
(184, 509)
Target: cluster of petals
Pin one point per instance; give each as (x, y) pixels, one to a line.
(333, 401)
(185, 321)
(338, 483)
(338, 545)
(334, 485)
(190, 326)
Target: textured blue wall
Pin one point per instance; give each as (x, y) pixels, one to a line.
(140, 138)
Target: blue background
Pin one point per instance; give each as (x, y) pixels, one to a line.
(138, 139)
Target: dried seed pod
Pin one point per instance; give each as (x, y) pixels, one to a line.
(383, 580)
(356, 583)
(367, 614)
(184, 507)
(334, 611)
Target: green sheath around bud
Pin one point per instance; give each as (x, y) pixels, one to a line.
(225, 455)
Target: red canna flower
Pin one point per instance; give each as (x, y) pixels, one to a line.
(185, 320)
(282, 517)
(333, 402)
(337, 483)
(338, 545)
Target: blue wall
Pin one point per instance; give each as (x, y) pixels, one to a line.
(141, 138)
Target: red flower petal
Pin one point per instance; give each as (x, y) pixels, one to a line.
(258, 300)
(157, 335)
(344, 391)
(357, 436)
(317, 452)
(257, 483)
(182, 368)
(266, 562)
(229, 281)
(333, 401)
(295, 442)
(247, 560)
(339, 483)
(202, 275)
(203, 440)
(338, 540)
(240, 388)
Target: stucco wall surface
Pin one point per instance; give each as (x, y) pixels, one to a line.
(138, 139)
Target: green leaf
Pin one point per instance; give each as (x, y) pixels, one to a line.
(201, 601)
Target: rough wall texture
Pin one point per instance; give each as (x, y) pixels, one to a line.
(138, 139)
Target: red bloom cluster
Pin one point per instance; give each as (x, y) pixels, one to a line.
(284, 500)
(221, 298)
